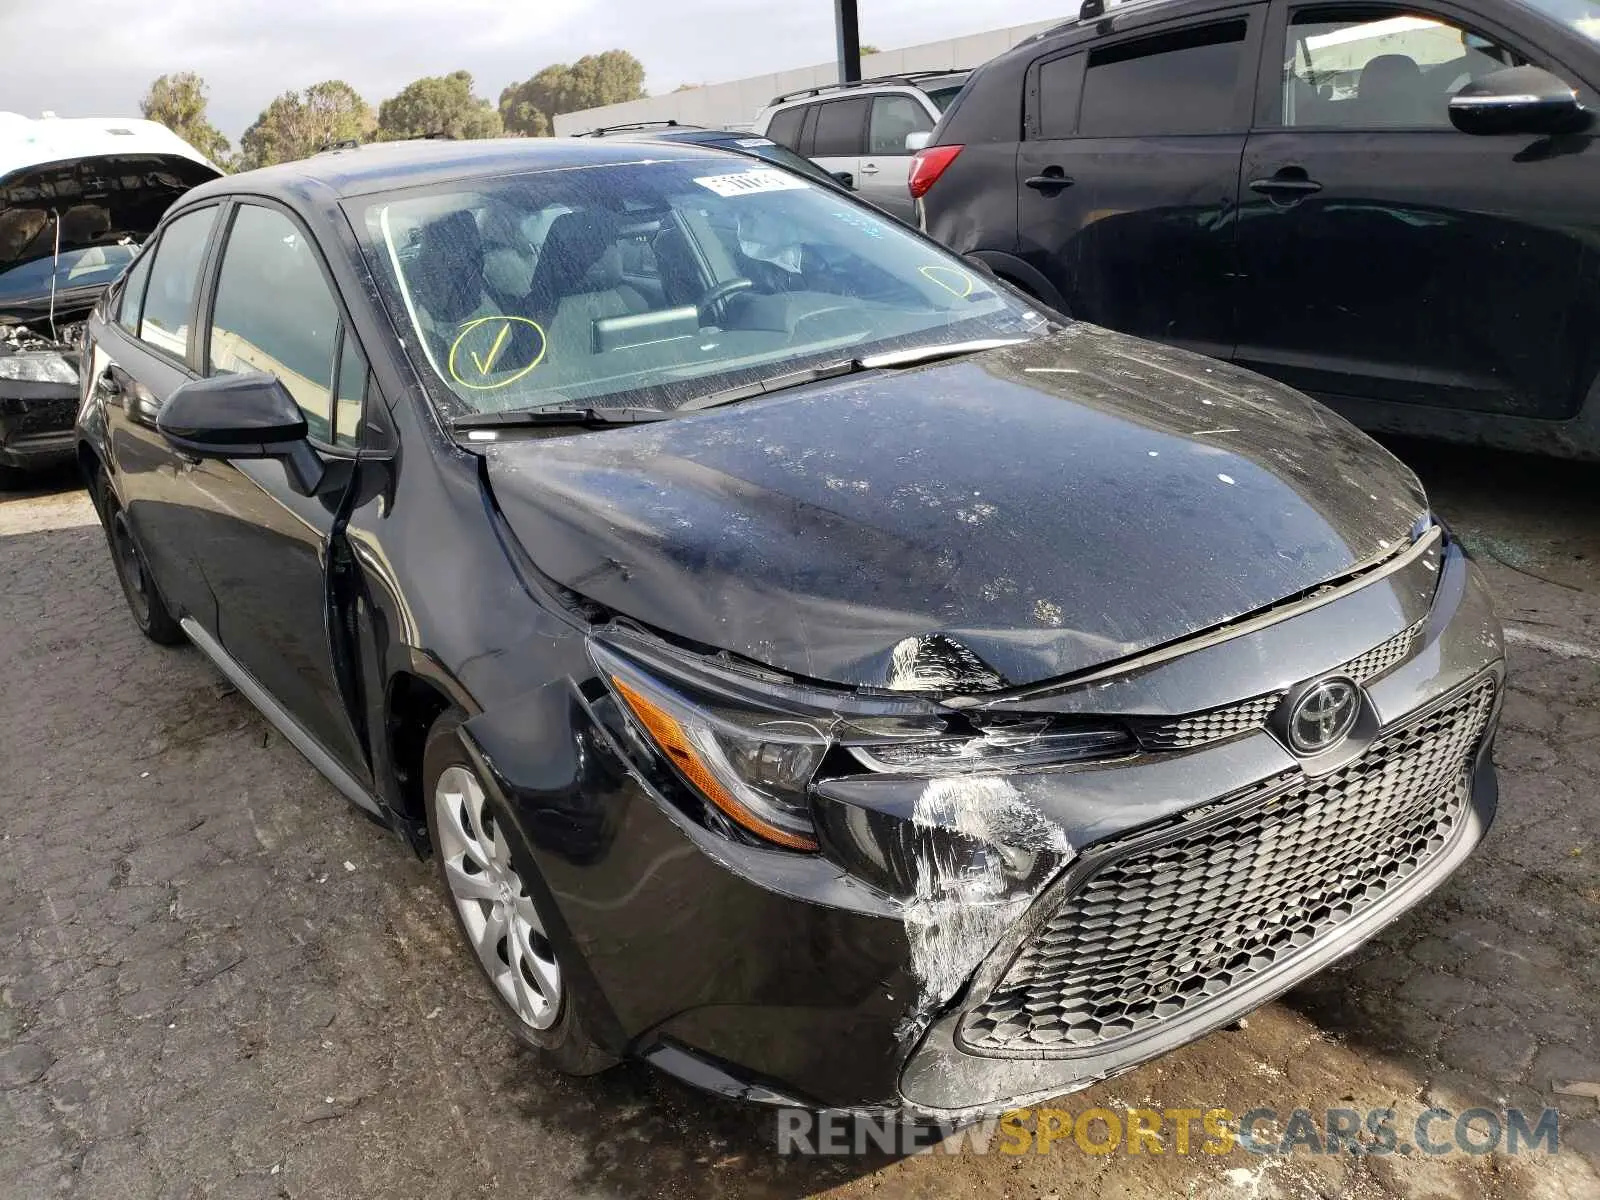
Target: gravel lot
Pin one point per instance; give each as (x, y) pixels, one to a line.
(219, 979)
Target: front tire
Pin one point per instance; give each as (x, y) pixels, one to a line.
(481, 861)
(145, 602)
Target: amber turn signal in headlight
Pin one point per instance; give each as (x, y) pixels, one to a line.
(705, 757)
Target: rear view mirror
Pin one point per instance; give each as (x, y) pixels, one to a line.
(916, 141)
(242, 416)
(1522, 100)
(844, 179)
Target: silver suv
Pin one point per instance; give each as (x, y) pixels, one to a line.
(858, 131)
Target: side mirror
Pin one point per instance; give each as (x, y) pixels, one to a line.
(1525, 100)
(242, 416)
(917, 141)
(844, 179)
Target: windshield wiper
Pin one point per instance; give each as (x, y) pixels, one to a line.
(589, 418)
(775, 383)
(917, 355)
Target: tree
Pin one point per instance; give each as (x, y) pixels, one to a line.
(868, 48)
(439, 105)
(595, 79)
(295, 125)
(179, 102)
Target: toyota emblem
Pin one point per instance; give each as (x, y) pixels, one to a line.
(1322, 716)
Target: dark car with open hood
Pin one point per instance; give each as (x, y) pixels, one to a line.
(77, 197)
(814, 667)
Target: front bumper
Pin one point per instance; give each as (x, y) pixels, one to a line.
(36, 422)
(831, 981)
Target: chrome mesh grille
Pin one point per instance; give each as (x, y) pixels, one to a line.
(1234, 719)
(1165, 927)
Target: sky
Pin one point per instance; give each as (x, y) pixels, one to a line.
(81, 58)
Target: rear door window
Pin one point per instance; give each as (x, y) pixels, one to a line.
(1184, 81)
(784, 128)
(841, 128)
(175, 281)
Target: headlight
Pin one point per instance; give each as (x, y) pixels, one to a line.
(754, 756)
(37, 368)
(754, 768)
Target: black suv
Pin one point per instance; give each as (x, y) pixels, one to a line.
(1390, 207)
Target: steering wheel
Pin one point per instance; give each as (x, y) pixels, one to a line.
(711, 303)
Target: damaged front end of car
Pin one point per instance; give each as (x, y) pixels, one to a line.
(945, 902)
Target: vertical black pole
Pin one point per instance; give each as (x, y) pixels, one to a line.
(849, 30)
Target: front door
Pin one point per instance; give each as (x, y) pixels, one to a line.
(885, 174)
(265, 550)
(1387, 256)
(1128, 176)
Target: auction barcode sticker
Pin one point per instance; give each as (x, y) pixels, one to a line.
(746, 182)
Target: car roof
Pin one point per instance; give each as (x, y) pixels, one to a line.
(917, 81)
(385, 166)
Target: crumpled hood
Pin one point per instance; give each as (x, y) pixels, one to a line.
(1047, 507)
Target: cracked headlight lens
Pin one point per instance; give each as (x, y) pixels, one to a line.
(37, 368)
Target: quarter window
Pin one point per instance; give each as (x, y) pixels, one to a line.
(131, 303)
(275, 313)
(174, 280)
(840, 125)
(894, 118)
(1186, 81)
(1375, 69)
(784, 128)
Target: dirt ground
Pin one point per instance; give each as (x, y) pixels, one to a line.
(218, 979)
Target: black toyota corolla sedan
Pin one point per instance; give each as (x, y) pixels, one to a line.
(814, 668)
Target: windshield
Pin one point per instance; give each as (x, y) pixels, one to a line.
(784, 157)
(1582, 15)
(653, 284)
(93, 266)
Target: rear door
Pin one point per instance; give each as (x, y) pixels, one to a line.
(886, 165)
(1387, 256)
(265, 550)
(137, 362)
(835, 133)
(1129, 170)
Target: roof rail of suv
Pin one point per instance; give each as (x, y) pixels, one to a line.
(902, 77)
(605, 129)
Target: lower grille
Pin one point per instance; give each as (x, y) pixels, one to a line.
(1163, 928)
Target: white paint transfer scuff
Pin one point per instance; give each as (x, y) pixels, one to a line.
(966, 891)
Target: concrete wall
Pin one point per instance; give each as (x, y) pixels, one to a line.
(734, 105)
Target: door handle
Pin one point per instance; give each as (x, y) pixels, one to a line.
(868, 169)
(110, 385)
(1291, 182)
(1051, 179)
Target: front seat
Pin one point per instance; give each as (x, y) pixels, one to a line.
(578, 280)
(1391, 92)
(446, 279)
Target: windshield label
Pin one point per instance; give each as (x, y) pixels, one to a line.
(746, 182)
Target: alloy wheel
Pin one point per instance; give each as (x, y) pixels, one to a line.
(501, 923)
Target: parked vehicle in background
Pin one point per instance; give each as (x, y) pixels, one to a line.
(816, 671)
(76, 199)
(751, 145)
(1396, 211)
(858, 131)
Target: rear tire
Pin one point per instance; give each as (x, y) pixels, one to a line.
(145, 602)
(482, 862)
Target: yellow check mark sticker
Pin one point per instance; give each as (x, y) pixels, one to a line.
(477, 354)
